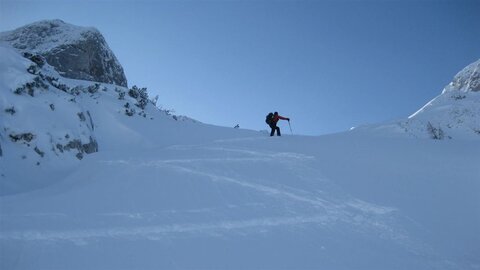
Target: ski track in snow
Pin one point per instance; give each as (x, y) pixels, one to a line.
(267, 190)
(162, 231)
(364, 216)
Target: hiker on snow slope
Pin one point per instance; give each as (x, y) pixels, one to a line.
(272, 119)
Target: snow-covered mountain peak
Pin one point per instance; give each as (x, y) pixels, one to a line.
(75, 52)
(454, 114)
(467, 80)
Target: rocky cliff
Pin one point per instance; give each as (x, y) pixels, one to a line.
(75, 52)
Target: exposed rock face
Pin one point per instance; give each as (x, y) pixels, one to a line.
(75, 52)
(466, 80)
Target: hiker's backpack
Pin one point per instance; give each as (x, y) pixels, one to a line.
(269, 118)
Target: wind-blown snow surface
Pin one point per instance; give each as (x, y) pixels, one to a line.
(333, 202)
(165, 194)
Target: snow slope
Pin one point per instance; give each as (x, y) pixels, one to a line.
(132, 188)
(333, 202)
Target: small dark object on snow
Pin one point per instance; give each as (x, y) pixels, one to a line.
(39, 152)
(23, 136)
(10, 110)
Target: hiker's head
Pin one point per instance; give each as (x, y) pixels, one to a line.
(276, 113)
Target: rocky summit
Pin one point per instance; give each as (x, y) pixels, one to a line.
(454, 114)
(75, 52)
(467, 80)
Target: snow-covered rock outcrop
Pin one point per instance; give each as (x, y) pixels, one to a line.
(454, 114)
(48, 123)
(467, 80)
(75, 52)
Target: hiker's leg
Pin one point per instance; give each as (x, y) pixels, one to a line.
(278, 132)
(273, 130)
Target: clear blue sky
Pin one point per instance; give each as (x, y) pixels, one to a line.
(328, 65)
